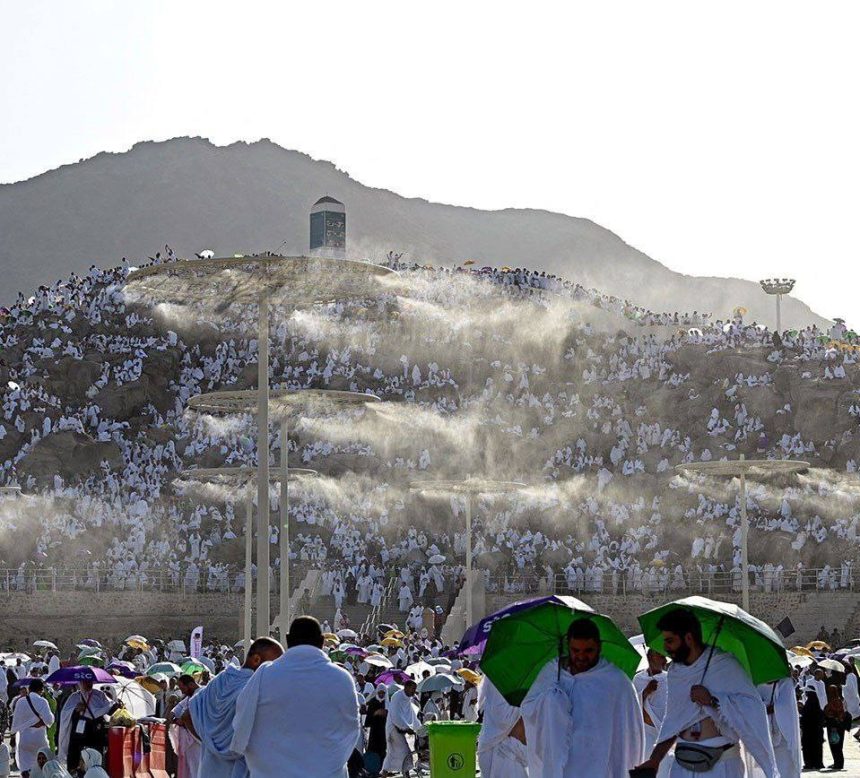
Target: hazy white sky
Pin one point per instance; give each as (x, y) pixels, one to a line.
(720, 138)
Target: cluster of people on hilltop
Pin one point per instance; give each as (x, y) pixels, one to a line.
(151, 535)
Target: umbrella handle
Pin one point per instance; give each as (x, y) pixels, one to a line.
(713, 646)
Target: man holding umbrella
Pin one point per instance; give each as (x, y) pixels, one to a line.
(582, 711)
(713, 706)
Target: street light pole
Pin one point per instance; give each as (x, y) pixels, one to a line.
(469, 609)
(745, 563)
(263, 582)
(740, 468)
(247, 623)
(284, 534)
(777, 287)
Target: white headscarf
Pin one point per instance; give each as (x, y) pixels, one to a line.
(92, 760)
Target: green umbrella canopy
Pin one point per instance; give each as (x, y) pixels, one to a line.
(92, 661)
(192, 668)
(522, 643)
(752, 642)
(170, 669)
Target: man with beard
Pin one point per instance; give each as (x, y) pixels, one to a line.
(706, 723)
(581, 713)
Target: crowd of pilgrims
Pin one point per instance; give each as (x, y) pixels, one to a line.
(399, 682)
(125, 526)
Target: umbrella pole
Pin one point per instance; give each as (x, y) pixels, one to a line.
(713, 646)
(249, 552)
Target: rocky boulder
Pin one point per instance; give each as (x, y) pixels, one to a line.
(70, 455)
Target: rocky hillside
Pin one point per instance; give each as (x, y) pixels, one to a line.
(252, 197)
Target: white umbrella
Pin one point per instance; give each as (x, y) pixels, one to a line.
(177, 645)
(44, 644)
(347, 633)
(13, 657)
(419, 668)
(137, 700)
(439, 683)
(375, 660)
(832, 664)
(436, 559)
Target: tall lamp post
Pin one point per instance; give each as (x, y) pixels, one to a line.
(293, 282)
(468, 487)
(740, 468)
(243, 477)
(777, 287)
(281, 402)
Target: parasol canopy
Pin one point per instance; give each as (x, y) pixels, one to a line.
(441, 682)
(752, 642)
(73, 675)
(522, 643)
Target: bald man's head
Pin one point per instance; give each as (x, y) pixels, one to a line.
(262, 650)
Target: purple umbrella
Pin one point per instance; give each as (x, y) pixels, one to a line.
(121, 668)
(475, 637)
(22, 682)
(90, 642)
(71, 675)
(393, 676)
(355, 651)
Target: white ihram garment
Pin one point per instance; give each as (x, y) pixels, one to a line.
(499, 755)
(297, 717)
(784, 728)
(573, 721)
(402, 714)
(741, 716)
(30, 736)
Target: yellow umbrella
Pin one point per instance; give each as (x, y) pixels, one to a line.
(469, 262)
(138, 644)
(818, 645)
(506, 269)
(800, 651)
(393, 633)
(470, 675)
(150, 684)
(392, 643)
(331, 637)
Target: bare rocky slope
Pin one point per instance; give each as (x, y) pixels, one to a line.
(252, 197)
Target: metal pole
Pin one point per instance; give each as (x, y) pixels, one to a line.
(469, 614)
(247, 623)
(745, 566)
(263, 583)
(778, 317)
(284, 534)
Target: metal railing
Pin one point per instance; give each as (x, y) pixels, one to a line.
(808, 579)
(70, 579)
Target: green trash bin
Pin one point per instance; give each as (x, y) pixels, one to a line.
(453, 748)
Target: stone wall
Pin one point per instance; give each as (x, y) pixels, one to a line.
(65, 617)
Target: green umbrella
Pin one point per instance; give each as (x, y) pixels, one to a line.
(522, 643)
(92, 660)
(752, 642)
(192, 668)
(170, 669)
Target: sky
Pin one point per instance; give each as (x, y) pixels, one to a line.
(719, 138)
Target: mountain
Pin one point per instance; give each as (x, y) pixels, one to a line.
(253, 197)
